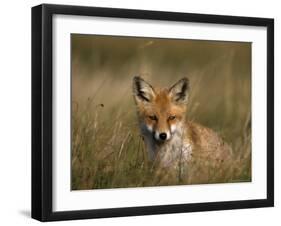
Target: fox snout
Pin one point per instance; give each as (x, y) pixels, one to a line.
(158, 135)
(162, 136)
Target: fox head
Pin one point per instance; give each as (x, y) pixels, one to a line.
(161, 111)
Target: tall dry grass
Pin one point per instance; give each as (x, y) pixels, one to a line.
(107, 150)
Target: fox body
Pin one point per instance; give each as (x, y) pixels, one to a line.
(169, 137)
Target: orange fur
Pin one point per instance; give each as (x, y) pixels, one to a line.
(162, 111)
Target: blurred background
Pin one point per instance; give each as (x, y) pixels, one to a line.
(104, 114)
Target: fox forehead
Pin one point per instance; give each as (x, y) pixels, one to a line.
(162, 100)
(162, 104)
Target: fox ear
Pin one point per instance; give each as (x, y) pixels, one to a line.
(143, 91)
(180, 91)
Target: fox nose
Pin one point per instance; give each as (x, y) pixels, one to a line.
(163, 136)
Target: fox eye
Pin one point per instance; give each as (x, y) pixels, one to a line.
(152, 117)
(172, 117)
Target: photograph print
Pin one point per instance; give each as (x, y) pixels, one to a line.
(159, 111)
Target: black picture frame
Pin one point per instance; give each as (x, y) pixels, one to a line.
(42, 107)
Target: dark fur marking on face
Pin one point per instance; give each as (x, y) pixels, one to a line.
(140, 84)
(180, 90)
(141, 95)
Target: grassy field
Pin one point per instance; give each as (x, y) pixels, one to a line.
(107, 150)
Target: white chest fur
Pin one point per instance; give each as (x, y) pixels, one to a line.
(174, 152)
(170, 153)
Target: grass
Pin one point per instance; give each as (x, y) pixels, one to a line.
(107, 150)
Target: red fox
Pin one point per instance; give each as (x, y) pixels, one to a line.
(168, 136)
